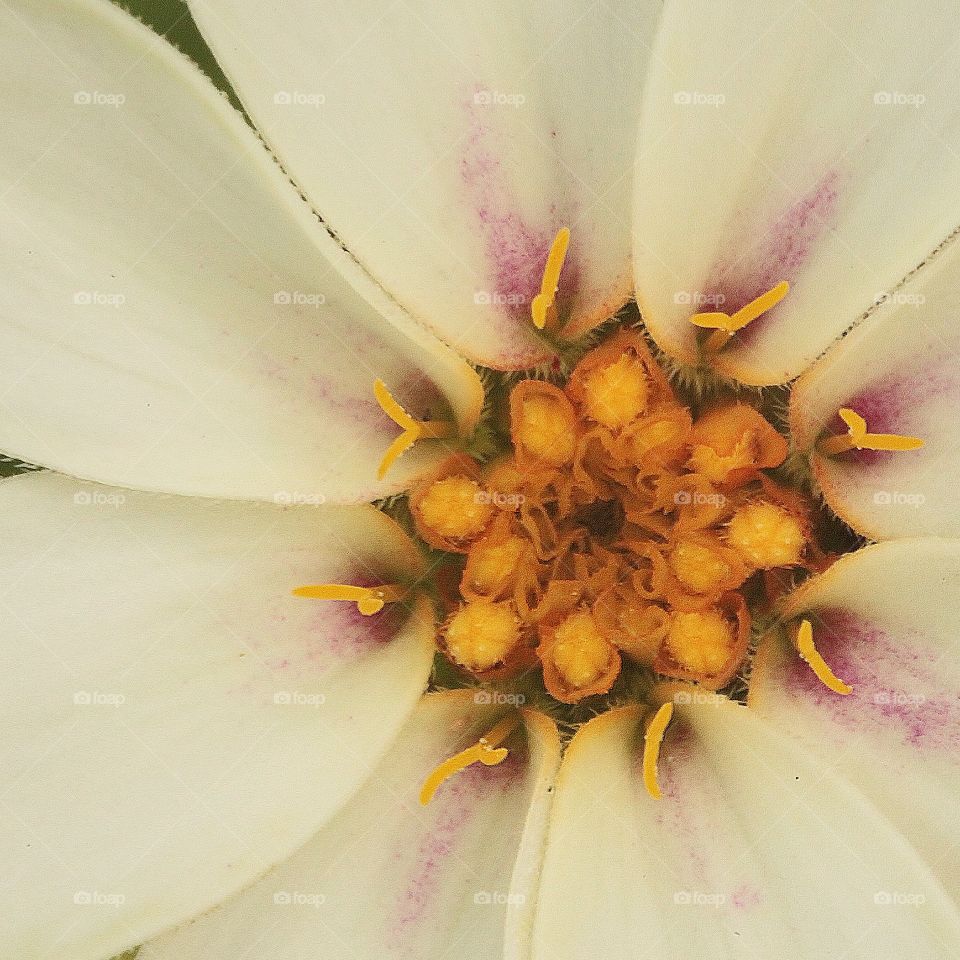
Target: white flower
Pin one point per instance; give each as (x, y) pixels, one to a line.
(180, 332)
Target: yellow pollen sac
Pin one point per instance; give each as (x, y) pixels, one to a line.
(580, 653)
(486, 750)
(413, 430)
(456, 508)
(725, 325)
(545, 430)
(617, 394)
(807, 650)
(858, 438)
(701, 642)
(698, 568)
(369, 600)
(652, 741)
(481, 634)
(541, 307)
(766, 536)
(492, 566)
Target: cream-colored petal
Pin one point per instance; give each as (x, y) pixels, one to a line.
(885, 619)
(172, 316)
(756, 850)
(899, 370)
(446, 144)
(817, 143)
(388, 877)
(174, 721)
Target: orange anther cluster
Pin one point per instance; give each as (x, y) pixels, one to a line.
(621, 526)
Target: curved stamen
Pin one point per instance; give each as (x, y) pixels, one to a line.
(413, 430)
(486, 750)
(809, 652)
(858, 438)
(652, 740)
(541, 307)
(369, 600)
(725, 325)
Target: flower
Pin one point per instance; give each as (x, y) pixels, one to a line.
(183, 334)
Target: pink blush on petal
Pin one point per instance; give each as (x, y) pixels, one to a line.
(329, 396)
(776, 254)
(348, 633)
(745, 897)
(885, 404)
(678, 810)
(896, 682)
(458, 800)
(516, 250)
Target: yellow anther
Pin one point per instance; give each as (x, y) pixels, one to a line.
(486, 750)
(701, 641)
(482, 634)
(818, 665)
(369, 600)
(652, 739)
(725, 325)
(541, 307)
(766, 536)
(413, 430)
(858, 438)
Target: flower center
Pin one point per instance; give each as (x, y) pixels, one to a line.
(619, 532)
(620, 536)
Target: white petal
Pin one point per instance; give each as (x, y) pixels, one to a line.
(899, 371)
(817, 143)
(172, 316)
(174, 721)
(885, 619)
(445, 144)
(388, 877)
(754, 851)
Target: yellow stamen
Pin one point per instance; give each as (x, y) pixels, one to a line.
(701, 641)
(482, 634)
(541, 307)
(766, 536)
(652, 740)
(486, 750)
(858, 437)
(818, 665)
(413, 430)
(369, 600)
(725, 325)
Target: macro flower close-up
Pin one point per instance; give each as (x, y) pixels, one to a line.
(479, 480)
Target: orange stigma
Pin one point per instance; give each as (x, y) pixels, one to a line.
(857, 437)
(486, 750)
(725, 325)
(369, 600)
(809, 652)
(652, 741)
(413, 430)
(542, 309)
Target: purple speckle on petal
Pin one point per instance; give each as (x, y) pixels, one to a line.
(344, 404)
(745, 897)
(516, 250)
(773, 254)
(340, 630)
(898, 682)
(888, 404)
(456, 803)
(677, 812)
